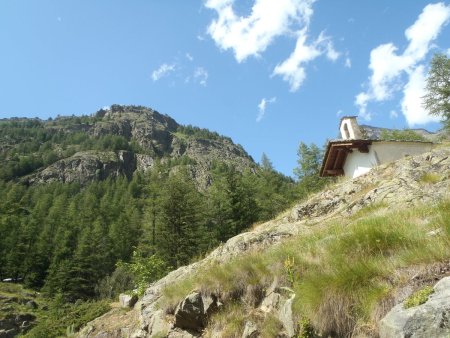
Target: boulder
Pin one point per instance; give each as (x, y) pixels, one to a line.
(157, 324)
(250, 330)
(286, 317)
(177, 333)
(32, 304)
(9, 333)
(431, 319)
(193, 311)
(127, 301)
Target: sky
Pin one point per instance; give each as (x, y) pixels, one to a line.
(269, 74)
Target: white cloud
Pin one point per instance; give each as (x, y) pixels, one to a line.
(292, 69)
(162, 71)
(201, 75)
(332, 54)
(59, 19)
(262, 107)
(393, 114)
(361, 101)
(348, 62)
(251, 35)
(189, 57)
(448, 52)
(388, 66)
(339, 112)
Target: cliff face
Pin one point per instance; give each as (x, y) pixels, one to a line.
(114, 142)
(403, 185)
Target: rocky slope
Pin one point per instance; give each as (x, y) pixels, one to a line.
(17, 310)
(403, 184)
(150, 134)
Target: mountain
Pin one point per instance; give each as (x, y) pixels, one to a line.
(333, 265)
(111, 143)
(91, 203)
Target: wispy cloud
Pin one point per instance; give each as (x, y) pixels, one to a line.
(389, 68)
(201, 75)
(293, 68)
(189, 57)
(393, 114)
(348, 62)
(331, 53)
(262, 107)
(163, 70)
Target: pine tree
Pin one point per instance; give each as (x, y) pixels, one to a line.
(179, 228)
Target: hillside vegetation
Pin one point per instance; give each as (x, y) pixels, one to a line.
(333, 265)
(93, 206)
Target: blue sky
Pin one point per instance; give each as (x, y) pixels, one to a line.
(267, 73)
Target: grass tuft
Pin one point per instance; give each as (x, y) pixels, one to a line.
(430, 178)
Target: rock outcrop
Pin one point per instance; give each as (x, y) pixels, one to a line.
(87, 166)
(394, 184)
(153, 135)
(431, 319)
(12, 321)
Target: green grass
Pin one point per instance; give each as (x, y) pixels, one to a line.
(430, 178)
(418, 298)
(341, 273)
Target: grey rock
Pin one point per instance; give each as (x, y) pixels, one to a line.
(271, 303)
(158, 325)
(10, 333)
(87, 166)
(127, 301)
(431, 319)
(177, 333)
(32, 304)
(139, 334)
(193, 311)
(250, 330)
(286, 318)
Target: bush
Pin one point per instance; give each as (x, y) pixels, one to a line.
(144, 270)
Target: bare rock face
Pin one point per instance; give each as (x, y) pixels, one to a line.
(87, 166)
(397, 182)
(431, 319)
(153, 136)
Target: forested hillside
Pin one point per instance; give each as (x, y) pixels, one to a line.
(96, 205)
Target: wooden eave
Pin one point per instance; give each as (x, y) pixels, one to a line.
(336, 154)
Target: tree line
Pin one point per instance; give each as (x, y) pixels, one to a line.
(67, 239)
